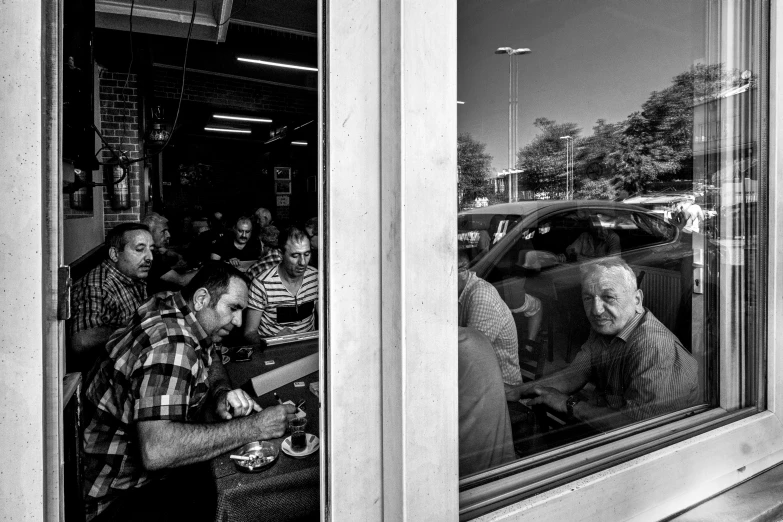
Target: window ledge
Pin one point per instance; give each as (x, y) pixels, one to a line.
(756, 499)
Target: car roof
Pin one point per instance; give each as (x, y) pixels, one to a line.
(549, 205)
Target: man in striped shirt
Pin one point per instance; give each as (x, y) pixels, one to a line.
(639, 368)
(106, 298)
(283, 299)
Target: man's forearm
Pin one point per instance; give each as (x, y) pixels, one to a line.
(167, 444)
(85, 341)
(600, 418)
(174, 277)
(218, 378)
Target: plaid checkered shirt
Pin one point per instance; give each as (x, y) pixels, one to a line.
(481, 307)
(271, 259)
(106, 297)
(156, 369)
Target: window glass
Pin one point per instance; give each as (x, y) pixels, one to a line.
(611, 160)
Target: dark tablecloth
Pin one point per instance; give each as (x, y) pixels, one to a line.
(289, 489)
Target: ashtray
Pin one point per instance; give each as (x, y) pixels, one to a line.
(256, 456)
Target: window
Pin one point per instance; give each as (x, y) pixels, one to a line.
(609, 132)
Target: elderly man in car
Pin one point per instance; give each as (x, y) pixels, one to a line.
(638, 367)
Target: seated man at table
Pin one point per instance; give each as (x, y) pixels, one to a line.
(599, 241)
(106, 298)
(639, 368)
(481, 307)
(147, 402)
(270, 255)
(283, 299)
(169, 271)
(485, 439)
(235, 247)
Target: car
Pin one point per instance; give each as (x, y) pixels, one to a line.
(522, 247)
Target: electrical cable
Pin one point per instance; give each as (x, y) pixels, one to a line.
(232, 14)
(107, 146)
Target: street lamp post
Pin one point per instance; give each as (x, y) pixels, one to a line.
(513, 107)
(569, 166)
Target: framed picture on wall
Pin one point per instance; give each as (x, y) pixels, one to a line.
(283, 173)
(282, 186)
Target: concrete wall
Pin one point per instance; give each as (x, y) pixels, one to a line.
(21, 232)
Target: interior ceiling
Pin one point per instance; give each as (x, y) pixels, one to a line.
(277, 30)
(171, 17)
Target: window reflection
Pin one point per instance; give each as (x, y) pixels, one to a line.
(607, 220)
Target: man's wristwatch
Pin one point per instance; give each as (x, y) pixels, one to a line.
(570, 403)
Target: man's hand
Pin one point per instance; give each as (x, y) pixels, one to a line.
(552, 398)
(285, 331)
(273, 421)
(234, 262)
(514, 393)
(235, 403)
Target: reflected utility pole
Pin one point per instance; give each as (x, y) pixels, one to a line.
(513, 110)
(569, 166)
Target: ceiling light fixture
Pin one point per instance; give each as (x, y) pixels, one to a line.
(241, 118)
(219, 129)
(277, 64)
(301, 143)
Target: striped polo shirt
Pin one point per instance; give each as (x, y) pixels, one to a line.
(280, 308)
(643, 371)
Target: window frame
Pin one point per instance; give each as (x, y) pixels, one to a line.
(390, 127)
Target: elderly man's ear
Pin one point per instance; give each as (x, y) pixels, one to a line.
(639, 300)
(113, 254)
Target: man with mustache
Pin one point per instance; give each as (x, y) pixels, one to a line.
(106, 298)
(236, 247)
(638, 367)
(160, 401)
(284, 298)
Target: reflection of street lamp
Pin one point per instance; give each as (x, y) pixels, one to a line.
(569, 166)
(513, 103)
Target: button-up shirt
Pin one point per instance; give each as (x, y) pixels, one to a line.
(643, 371)
(481, 307)
(106, 297)
(157, 368)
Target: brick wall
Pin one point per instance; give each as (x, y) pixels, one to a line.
(119, 125)
(234, 93)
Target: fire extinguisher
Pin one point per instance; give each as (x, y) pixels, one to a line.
(81, 199)
(120, 191)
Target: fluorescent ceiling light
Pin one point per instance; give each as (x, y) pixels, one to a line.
(219, 129)
(241, 118)
(460, 102)
(303, 143)
(278, 64)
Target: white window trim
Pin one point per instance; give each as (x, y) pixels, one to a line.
(376, 109)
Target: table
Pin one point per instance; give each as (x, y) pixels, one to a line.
(289, 490)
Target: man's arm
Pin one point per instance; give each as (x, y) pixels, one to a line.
(600, 418)
(252, 320)
(87, 340)
(229, 403)
(567, 381)
(168, 444)
(174, 277)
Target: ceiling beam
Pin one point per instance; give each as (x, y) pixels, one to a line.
(224, 14)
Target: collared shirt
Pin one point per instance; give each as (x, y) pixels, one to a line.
(156, 369)
(271, 259)
(643, 371)
(481, 307)
(106, 297)
(280, 308)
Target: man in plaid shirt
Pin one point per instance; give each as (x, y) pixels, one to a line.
(106, 298)
(270, 254)
(147, 402)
